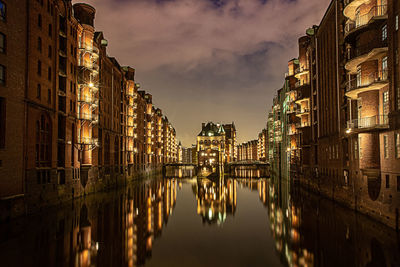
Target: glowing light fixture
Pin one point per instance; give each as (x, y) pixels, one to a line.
(91, 84)
(348, 130)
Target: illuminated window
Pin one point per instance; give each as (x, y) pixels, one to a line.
(397, 22)
(385, 147)
(384, 32)
(2, 43)
(2, 10)
(397, 147)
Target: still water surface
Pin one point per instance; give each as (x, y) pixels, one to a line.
(199, 222)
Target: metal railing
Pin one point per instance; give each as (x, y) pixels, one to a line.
(301, 69)
(303, 110)
(364, 49)
(368, 122)
(380, 76)
(375, 11)
(301, 83)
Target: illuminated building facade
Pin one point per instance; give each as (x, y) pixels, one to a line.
(211, 145)
(79, 124)
(248, 151)
(262, 145)
(346, 106)
(230, 142)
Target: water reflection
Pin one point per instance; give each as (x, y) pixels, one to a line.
(215, 199)
(123, 228)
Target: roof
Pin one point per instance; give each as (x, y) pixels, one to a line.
(212, 129)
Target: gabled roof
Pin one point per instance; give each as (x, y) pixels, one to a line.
(212, 129)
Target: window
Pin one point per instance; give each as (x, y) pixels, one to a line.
(43, 142)
(359, 77)
(49, 53)
(40, 21)
(387, 179)
(2, 122)
(2, 75)
(385, 147)
(397, 147)
(50, 30)
(384, 68)
(398, 183)
(2, 10)
(397, 22)
(38, 91)
(355, 149)
(49, 96)
(70, 86)
(384, 32)
(398, 97)
(39, 44)
(49, 74)
(39, 70)
(2, 43)
(385, 97)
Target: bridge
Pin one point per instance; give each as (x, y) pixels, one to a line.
(243, 169)
(179, 166)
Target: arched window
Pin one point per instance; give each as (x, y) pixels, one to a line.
(43, 142)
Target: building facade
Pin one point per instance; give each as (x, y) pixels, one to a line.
(347, 102)
(73, 121)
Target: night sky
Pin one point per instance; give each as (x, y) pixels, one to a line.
(208, 60)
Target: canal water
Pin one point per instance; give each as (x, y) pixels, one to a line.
(199, 222)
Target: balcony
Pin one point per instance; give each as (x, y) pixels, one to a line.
(301, 71)
(357, 22)
(301, 83)
(371, 51)
(85, 116)
(375, 81)
(292, 132)
(368, 124)
(303, 124)
(302, 112)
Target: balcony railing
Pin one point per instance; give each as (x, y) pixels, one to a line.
(369, 122)
(365, 49)
(380, 76)
(303, 111)
(301, 83)
(301, 69)
(375, 11)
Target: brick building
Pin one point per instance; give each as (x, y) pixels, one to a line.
(347, 100)
(72, 119)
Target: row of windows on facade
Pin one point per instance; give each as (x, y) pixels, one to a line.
(359, 153)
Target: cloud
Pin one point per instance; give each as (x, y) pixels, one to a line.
(218, 59)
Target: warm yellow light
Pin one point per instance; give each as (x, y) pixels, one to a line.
(91, 85)
(348, 130)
